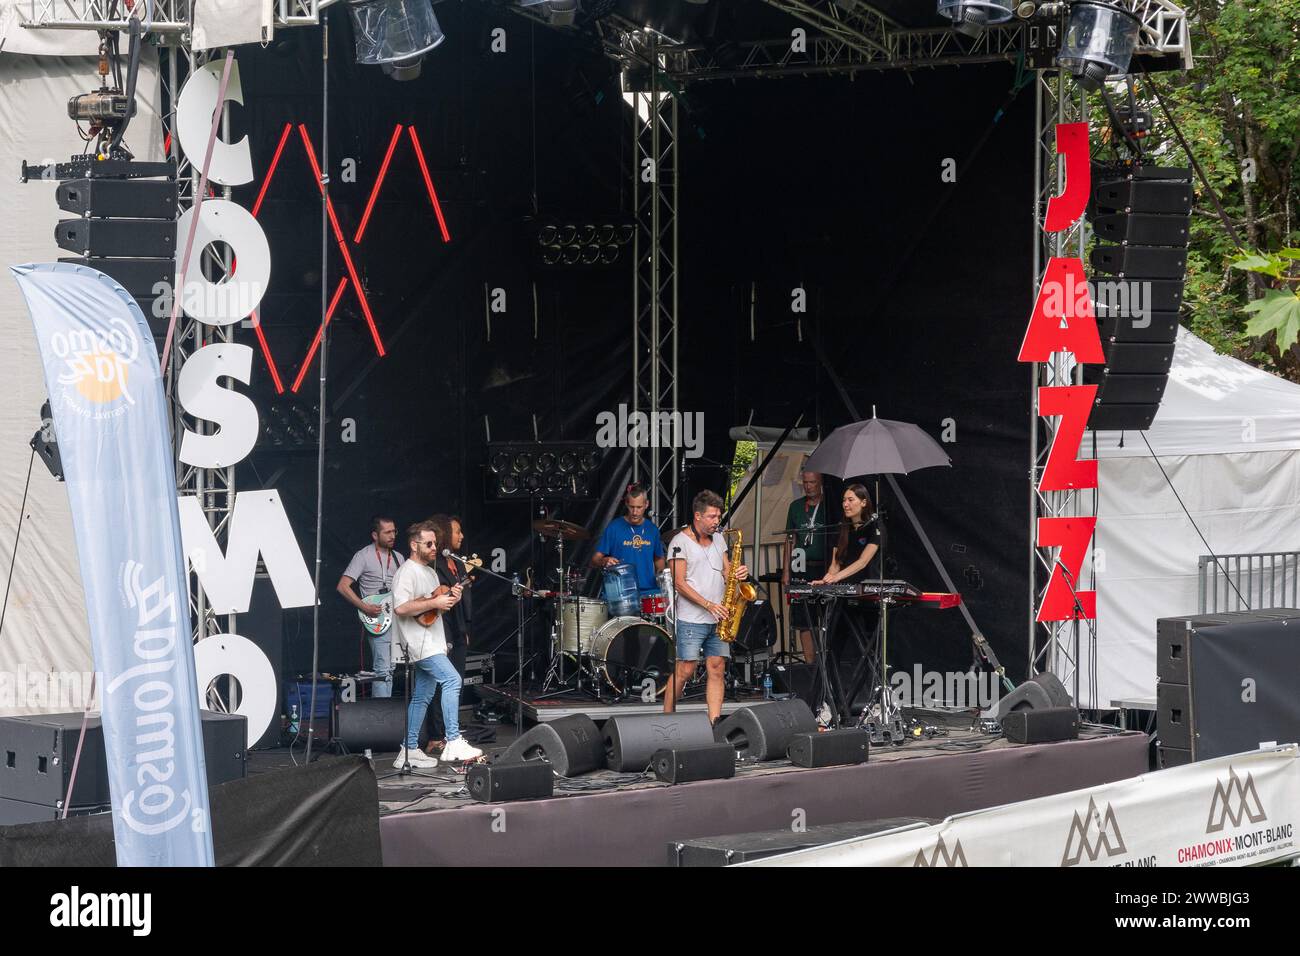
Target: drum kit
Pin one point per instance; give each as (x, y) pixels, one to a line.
(620, 643)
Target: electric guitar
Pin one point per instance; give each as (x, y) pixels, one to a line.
(380, 623)
(428, 617)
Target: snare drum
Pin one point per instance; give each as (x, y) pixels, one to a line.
(628, 650)
(580, 613)
(654, 604)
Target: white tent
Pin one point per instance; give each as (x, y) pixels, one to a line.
(1227, 435)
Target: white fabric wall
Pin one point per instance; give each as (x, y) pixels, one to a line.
(45, 624)
(1148, 550)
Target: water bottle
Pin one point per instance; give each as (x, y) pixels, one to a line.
(293, 720)
(767, 686)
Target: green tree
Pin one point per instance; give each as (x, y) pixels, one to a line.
(1239, 109)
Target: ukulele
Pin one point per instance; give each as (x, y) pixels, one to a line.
(428, 617)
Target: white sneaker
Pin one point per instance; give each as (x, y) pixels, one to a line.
(460, 749)
(417, 757)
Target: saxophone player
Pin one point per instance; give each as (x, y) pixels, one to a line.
(700, 566)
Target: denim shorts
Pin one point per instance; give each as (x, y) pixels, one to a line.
(692, 638)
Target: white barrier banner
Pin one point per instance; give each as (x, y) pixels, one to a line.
(1231, 811)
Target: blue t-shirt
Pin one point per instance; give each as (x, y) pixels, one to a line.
(637, 545)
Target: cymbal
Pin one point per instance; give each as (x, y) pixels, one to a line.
(553, 528)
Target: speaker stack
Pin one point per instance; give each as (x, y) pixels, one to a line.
(37, 753)
(1141, 216)
(126, 230)
(1226, 683)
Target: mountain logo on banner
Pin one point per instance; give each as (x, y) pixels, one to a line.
(97, 363)
(1233, 802)
(1092, 833)
(941, 856)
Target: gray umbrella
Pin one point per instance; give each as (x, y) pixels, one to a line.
(876, 446)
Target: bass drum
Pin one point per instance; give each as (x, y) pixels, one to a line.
(627, 650)
(580, 613)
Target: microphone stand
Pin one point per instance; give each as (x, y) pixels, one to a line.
(519, 592)
(672, 576)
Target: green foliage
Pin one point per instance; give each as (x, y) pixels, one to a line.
(746, 452)
(1239, 109)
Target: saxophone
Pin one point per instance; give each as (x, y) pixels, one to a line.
(737, 593)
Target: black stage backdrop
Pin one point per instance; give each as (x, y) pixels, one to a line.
(918, 289)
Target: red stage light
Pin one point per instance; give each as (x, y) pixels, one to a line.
(428, 184)
(343, 247)
(374, 193)
(315, 344)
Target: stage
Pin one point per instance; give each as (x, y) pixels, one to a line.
(618, 819)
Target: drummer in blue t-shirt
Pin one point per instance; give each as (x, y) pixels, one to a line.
(632, 540)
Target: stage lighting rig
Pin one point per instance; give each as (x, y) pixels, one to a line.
(1098, 41)
(395, 34)
(565, 470)
(972, 16)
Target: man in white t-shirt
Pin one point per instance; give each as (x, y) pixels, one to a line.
(426, 648)
(700, 564)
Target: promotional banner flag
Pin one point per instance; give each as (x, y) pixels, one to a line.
(112, 426)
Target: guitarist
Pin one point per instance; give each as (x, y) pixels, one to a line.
(426, 649)
(456, 622)
(372, 569)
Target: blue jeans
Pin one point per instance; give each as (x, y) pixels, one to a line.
(692, 638)
(381, 648)
(430, 673)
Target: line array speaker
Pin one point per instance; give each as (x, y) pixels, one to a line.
(1141, 216)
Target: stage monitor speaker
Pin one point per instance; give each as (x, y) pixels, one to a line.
(571, 745)
(1041, 725)
(832, 748)
(499, 782)
(118, 199)
(688, 764)
(376, 723)
(763, 731)
(631, 740)
(1238, 692)
(1038, 693)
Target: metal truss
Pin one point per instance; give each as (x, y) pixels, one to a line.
(1057, 646)
(213, 487)
(833, 55)
(654, 290)
(171, 18)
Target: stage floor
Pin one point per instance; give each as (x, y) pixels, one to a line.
(443, 788)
